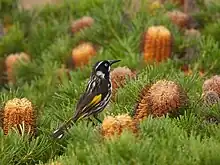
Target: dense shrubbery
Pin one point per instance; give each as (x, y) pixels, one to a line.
(45, 35)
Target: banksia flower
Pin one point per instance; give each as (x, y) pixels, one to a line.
(163, 97)
(118, 78)
(166, 97)
(210, 98)
(116, 125)
(157, 44)
(11, 61)
(81, 23)
(179, 18)
(142, 108)
(82, 54)
(212, 84)
(55, 163)
(16, 113)
(154, 6)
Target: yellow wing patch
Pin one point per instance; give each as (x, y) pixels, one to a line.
(96, 99)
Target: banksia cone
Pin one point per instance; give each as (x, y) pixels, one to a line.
(163, 97)
(157, 44)
(210, 98)
(212, 84)
(116, 125)
(17, 112)
(81, 23)
(166, 97)
(11, 61)
(82, 54)
(154, 6)
(142, 108)
(118, 78)
(179, 18)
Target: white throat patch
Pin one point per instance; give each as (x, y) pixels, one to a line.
(100, 74)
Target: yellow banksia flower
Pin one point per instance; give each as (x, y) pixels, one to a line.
(116, 125)
(18, 113)
(55, 163)
(82, 54)
(157, 43)
(154, 6)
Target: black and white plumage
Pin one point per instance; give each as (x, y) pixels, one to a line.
(94, 99)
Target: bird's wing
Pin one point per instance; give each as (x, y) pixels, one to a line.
(89, 100)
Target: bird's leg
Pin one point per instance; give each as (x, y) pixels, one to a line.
(96, 117)
(90, 120)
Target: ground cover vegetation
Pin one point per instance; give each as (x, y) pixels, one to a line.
(165, 104)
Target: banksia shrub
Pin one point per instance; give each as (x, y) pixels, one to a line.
(179, 18)
(81, 23)
(163, 97)
(157, 43)
(16, 113)
(82, 54)
(3, 77)
(188, 71)
(116, 125)
(11, 61)
(181, 2)
(212, 84)
(7, 23)
(118, 78)
(62, 72)
(192, 33)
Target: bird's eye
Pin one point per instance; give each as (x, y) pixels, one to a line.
(106, 64)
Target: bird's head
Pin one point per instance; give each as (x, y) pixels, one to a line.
(102, 68)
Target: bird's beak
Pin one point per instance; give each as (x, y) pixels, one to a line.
(113, 61)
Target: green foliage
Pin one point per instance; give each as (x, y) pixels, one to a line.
(12, 42)
(44, 34)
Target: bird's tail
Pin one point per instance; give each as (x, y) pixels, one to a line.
(59, 133)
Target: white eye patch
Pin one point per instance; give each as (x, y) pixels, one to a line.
(106, 64)
(100, 74)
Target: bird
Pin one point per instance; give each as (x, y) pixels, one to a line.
(95, 98)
